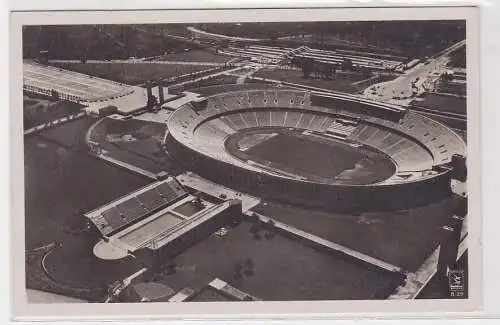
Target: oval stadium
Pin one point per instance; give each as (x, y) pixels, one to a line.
(324, 150)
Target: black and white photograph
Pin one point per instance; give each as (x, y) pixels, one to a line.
(246, 161)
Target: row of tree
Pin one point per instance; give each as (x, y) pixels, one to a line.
(311, 67)
(102, 42)
(408, 38)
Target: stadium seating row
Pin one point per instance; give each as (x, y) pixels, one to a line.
(276, 54)
(415, 143)
(408, 155)
(335, 57)
(124, 212)
(70, 85)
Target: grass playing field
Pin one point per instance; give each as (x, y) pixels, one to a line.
(296, 76)
(136, 142)
(133, 73)
(39, 109)
(443, 103)
(196, 56)
(63, 182)
(403, 238)
(317, 159)
(272, 266)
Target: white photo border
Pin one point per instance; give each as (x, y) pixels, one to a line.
(313, 309)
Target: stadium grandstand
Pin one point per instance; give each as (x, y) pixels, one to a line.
(275, 55)
(69, 85)
(417, 147)
(157, 216)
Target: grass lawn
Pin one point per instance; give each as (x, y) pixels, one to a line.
(132, 73)
(62, 182)
(144, 151)
(443, 103)
(296, 76)
(273, 267)
(196, 56)
(38, 110)
(402, 238)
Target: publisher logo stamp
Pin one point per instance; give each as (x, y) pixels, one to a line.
(456, 282)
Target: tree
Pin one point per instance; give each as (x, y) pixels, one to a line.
(274, 37)
(346, 64)
(152, 102)
(446, 77)
(54, 94)
(308, 67)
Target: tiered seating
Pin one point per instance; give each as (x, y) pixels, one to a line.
(71, 85)
(413, 158)
(340, 128)
(305, 120)
(364, 133)
(375, 140)
(316, 122)
(250, 119)
(277, 118)
(275, 54)
(415, 144)
(408, 155)
(131, 209)
(441, 141)
(325, 123)
(263, 117)
(292, 119)
(126, 211)
(151, 199)
(221, 125)
(335, 57)
(237, 121)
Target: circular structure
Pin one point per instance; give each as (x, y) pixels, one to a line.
(108, 251)
(151, 291)
(326, 150)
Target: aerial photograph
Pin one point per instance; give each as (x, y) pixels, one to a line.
(218, 162)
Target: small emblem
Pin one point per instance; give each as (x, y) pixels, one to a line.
(456, 282)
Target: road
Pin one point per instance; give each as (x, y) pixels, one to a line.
(141, 61)
(423, 74)
(197, 31)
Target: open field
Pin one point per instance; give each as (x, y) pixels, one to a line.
(271, 266)
(136, 142)
(132, 73)
(38, 109)
(343, 85)
(320, 159)
(402, 238)
(229, 86)
(443, 103)
(206, 87)
(63, 182)
(196, 56)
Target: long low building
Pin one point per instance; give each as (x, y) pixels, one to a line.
(70, 85)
